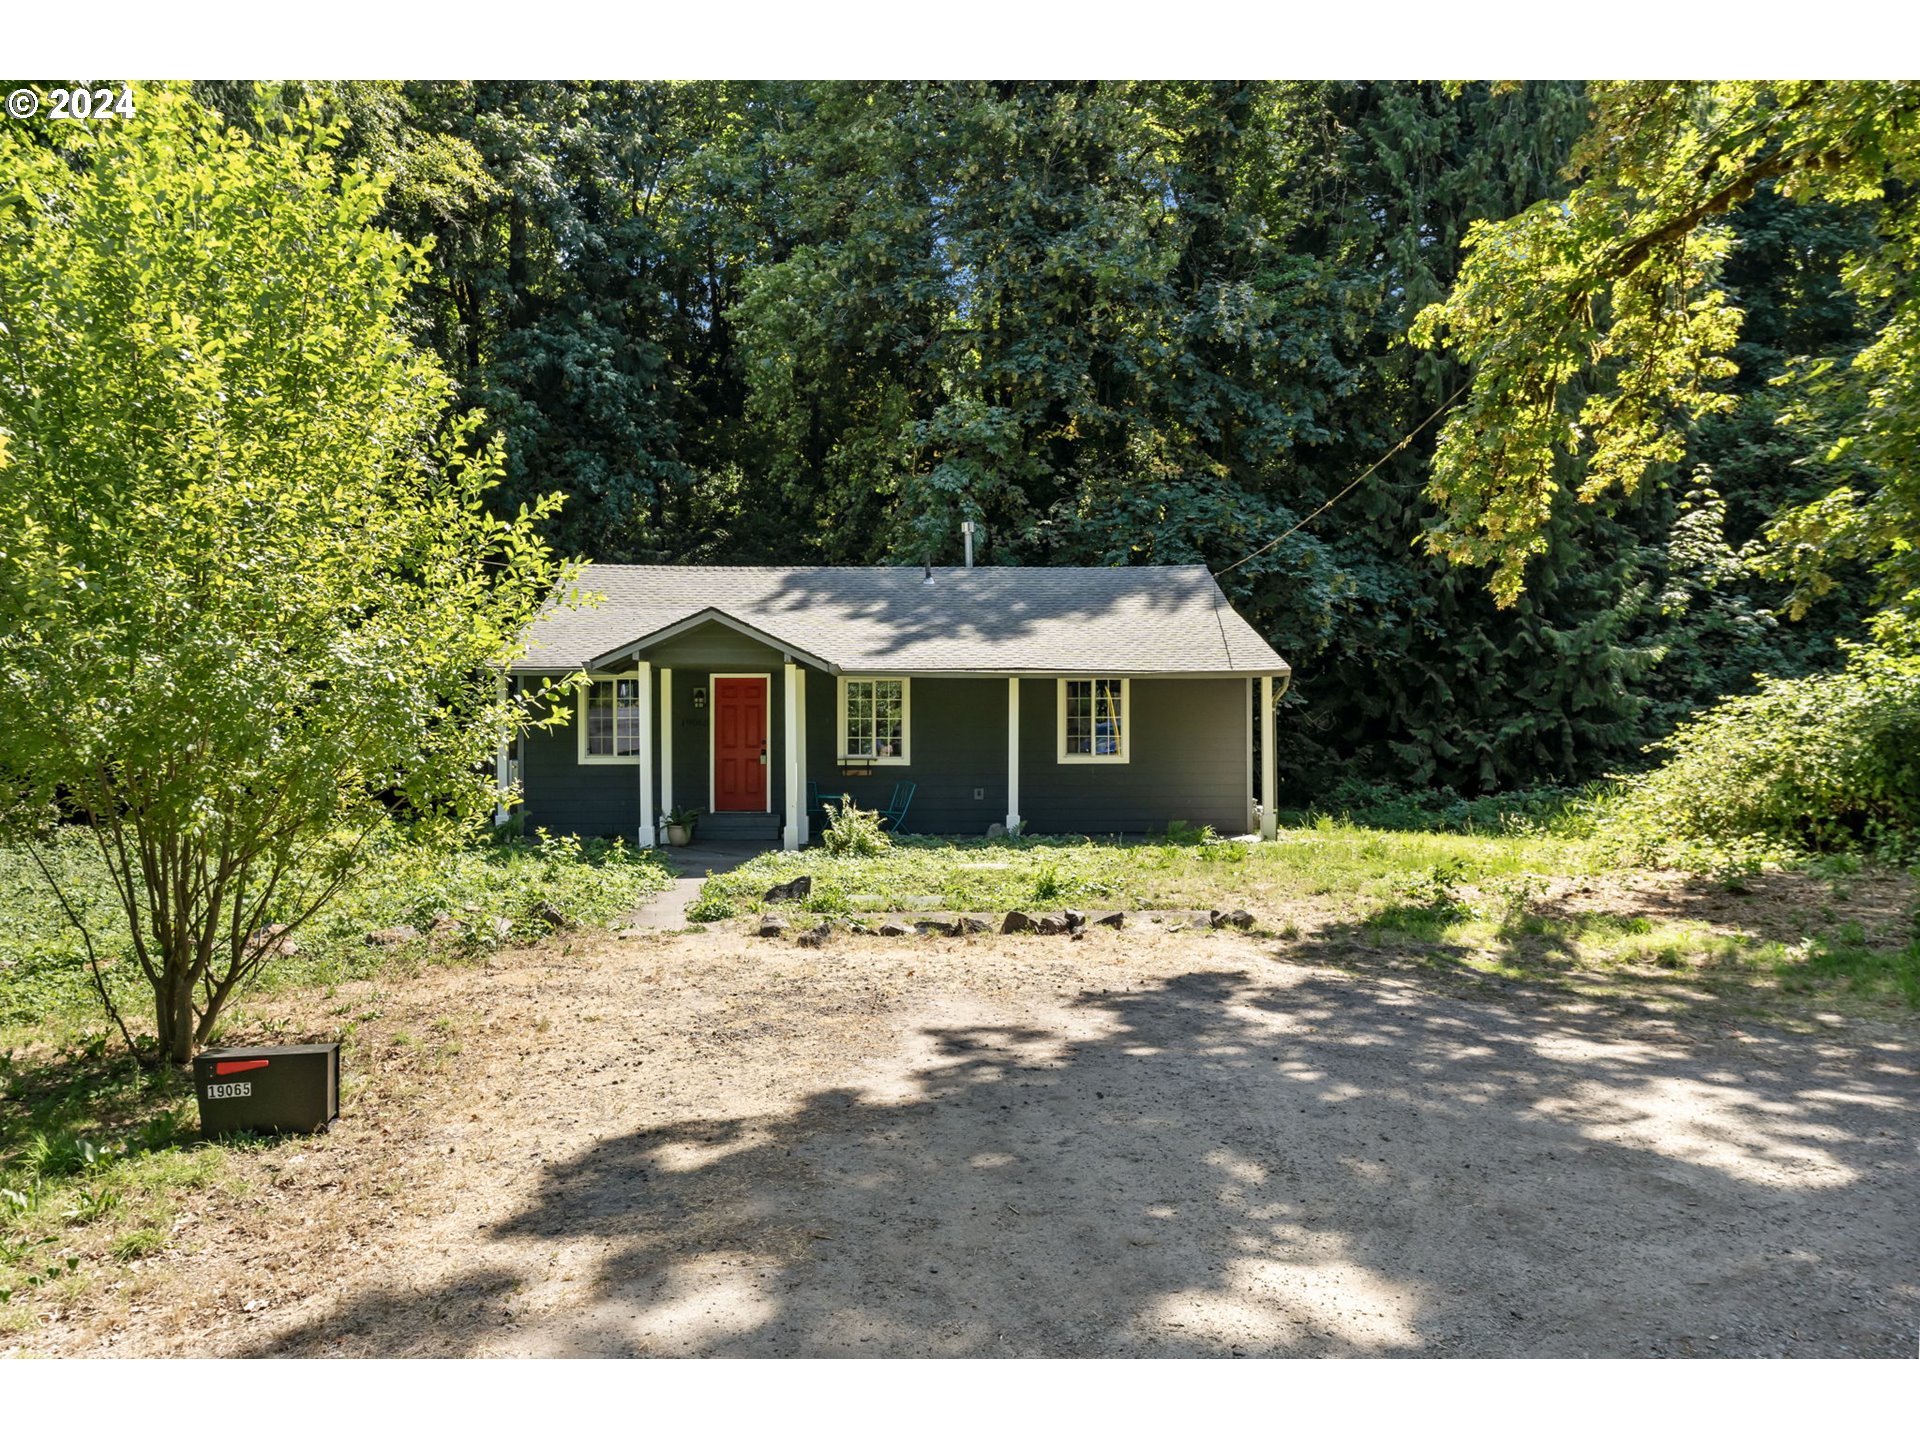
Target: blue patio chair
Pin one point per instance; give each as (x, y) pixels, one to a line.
(894, 817)
(817, 805)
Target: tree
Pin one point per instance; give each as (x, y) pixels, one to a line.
(250, 585)
(1595, 323)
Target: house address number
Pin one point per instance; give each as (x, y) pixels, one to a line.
(237, 1090)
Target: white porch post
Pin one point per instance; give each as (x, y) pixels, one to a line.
(1013, 754)
(1269, 770)
(790, 832)
(666, 740)
(502, 767)
(800, 747)
(1253, 819)
(644, 690)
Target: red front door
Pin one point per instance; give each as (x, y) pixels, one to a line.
(740, 742)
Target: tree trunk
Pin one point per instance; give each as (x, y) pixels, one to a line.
(173, 1011)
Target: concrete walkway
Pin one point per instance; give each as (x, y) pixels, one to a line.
(668, 909)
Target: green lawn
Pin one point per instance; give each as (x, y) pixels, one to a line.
(45, 992)
(1494, 904)
(1352, 865)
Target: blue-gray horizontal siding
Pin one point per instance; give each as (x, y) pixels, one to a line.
(568, 798)
(1186, 761)
(958, 744)
(1188, 754)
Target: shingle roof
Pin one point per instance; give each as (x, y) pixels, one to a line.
(1143, 619)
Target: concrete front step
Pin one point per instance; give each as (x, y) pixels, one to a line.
(737, 825)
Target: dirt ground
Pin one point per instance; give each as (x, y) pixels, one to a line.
(1131, 1144)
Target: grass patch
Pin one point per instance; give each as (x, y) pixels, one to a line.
(480, 896)
(92, 1160)
(1507, 932)
(1336, 859)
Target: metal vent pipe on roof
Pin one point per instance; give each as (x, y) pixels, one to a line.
(966, 529)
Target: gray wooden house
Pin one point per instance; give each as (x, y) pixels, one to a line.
(1076, 700)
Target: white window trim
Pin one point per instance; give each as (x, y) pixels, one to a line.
(905, 757)
(580, 720)
(1125, 757)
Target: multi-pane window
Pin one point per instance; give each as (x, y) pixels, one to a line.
(1093, 719)
(873, 721)
(613, 718)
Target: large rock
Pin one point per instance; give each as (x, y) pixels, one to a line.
(797, 888)
(894, 929)
(970, 925)
(816, 937)
(772, 927)
(551, 916)
(1076, 920)
(933, 927)
(1114, 920)
(1050, 925)
(1018, 922)
(1235, 919)
(272, 937)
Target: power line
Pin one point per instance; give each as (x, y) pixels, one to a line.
(1404, 441)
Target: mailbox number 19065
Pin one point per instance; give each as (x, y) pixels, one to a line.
(235, 1091)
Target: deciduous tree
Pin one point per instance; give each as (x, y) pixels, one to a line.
(250, 584)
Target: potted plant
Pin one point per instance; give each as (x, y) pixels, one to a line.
(680, 826)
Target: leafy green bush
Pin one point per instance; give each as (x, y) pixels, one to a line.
(1827, 762)
(1546, 810)
(853, 831)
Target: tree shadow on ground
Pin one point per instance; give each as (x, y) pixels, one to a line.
(1280, 1162)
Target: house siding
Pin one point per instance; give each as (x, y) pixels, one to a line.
(569, 798)
(1187, 759)
(1184, 762)
(1188, 754)
(958, 743)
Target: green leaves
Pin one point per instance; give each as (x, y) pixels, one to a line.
(251, 582)
(1613, 292)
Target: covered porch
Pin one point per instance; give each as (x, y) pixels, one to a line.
(741, 729)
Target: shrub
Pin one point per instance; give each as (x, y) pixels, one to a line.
(1827, 762)
(1182, 832)
(853, 831)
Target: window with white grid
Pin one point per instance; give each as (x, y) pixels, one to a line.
(612, 719)
(874, 716)
(1094, 722)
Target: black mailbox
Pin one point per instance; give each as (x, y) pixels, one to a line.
(267, 1088)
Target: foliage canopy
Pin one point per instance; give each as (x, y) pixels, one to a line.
(250, 579)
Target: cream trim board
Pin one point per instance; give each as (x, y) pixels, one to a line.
(580, 719)
(713, 711)
(905, 757)
(1126, 722)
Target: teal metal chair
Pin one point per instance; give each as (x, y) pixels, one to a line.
(894, 817)
(817, 806)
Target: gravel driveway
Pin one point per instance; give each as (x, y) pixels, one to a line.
(1194, 1144)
